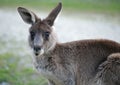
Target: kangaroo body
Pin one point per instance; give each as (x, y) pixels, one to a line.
(84, 62)
(76, 63)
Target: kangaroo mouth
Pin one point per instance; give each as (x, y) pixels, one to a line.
(38, 53)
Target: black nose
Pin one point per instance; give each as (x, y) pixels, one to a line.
(37, 48)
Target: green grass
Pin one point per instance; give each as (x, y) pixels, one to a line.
(13, 69)
(85, 5)
(15, 74)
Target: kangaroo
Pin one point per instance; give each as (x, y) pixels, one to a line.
(82, 62)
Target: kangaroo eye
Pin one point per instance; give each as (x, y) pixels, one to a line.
(47, 34)
(32, 34)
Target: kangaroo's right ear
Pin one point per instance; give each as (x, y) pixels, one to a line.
(27, 16)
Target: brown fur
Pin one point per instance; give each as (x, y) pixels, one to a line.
(85, 62)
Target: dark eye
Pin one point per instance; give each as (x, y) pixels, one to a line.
(47, 34)
(32, 34)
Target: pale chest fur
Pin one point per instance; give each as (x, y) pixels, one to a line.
(47, 68)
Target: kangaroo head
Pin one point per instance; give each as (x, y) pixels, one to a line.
(42, 37)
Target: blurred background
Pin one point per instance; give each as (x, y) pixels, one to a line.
(79, 19)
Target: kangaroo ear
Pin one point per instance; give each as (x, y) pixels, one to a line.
(53, 14)
(27, 16)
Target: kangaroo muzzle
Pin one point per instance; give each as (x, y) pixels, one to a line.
(38, 45)
(38, 51)
(37, 48)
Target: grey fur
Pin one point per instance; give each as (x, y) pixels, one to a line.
(84, 62)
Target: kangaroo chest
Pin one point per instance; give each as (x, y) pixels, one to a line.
(47, 68)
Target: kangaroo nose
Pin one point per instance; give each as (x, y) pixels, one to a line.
(37, 48)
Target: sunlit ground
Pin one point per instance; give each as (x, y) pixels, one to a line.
(16, 66)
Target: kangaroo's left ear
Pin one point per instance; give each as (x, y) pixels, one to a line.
(53, 14)
(27, 16)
